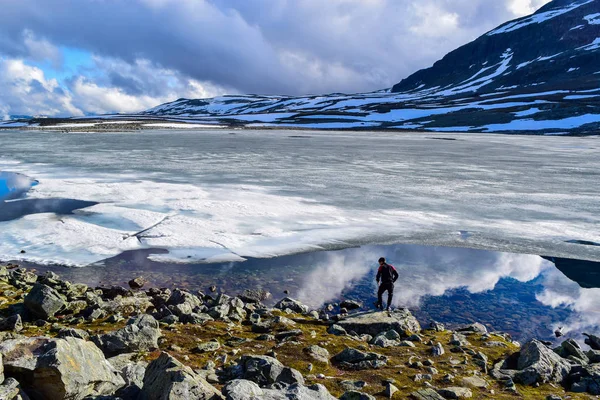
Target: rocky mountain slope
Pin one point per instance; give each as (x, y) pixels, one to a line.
(540, 73)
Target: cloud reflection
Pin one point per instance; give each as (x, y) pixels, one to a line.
(424, 271)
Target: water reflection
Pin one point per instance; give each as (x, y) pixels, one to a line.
(524, 295)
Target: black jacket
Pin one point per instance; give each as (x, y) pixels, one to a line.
(387, 274)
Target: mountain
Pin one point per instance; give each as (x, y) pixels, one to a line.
(536, 74)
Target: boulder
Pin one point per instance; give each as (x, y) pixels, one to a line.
(168, 379)
(336, 330)
(455, 393)
(589, 380)
(254, 296)
(437, 350)
(140, 334)
(426, 394)
(12, 324)
(240, 389)
(474, 328)
(350, 305)
(132, 372)
(571, 349)
(293, 305)
(265, 370)
(137, 283)
(538, 364)
(67, 368)
(43, 301)
(354, 395)
(318, 353)
(372, 323)
(354, 359)
(72, 332)
(593, 341)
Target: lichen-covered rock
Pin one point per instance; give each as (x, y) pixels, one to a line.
(10, 390)
(254, 296)
(538, 364)
(426, 394)
(168, 379)
(354, 359)
(355, 395)
(43, 301)
(265, 370)
(69, 368)
(293, 305)
(72, 332)
(140, 334)
(372, 323)
(241, 389)
(455, 392)
(132, 372)
(318, 353)
(571, 349)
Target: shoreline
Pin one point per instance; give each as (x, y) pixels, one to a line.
(137, 337)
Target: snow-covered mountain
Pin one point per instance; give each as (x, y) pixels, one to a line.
(536, 74)
(540, 73)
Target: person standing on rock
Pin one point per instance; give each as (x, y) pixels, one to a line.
(386, 277)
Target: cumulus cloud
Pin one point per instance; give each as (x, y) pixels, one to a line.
(165, 49)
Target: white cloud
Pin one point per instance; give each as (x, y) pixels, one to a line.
(166, 49)
(524, 7)
(24, 89)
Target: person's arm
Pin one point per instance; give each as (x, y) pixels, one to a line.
(378, 277)
(394, 274)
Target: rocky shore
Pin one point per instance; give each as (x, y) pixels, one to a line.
(63, 340)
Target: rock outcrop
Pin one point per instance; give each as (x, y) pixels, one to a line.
(373, 323)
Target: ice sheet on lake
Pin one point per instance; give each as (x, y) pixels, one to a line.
(224, 197)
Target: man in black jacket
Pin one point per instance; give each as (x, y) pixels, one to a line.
(387, 274)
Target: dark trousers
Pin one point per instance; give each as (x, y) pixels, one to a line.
(383, 287)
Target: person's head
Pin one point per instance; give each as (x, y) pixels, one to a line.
(381, 261)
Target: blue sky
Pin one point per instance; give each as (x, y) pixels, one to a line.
(79, 57)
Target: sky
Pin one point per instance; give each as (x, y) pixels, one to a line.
(82, 57)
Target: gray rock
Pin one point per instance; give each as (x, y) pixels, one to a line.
(474, 328)
(207, 347)
(132, 372)
(318, 353)
(459, 340)
(43, 301)
(355, 395)
(1, 369)
(593, 341)
(382, 341)
(288, 334)
(140, 334)
(254, 296)
(168, 379)
(336, 330)
(265, 370)
(350, 305)
(426, 394)
(570, 348)
(179, 296)
(137, 283)
(590, 379)
(593, 356)
(389, 390)
(72, 332)
(354, 359)
(262, 327)
(437, 350)
(67, 368)
(293, 305)
(538, 364)
(10, 390)
(475, 382)
(372, 323)
(353, 385)
(240, 389)
(455, 393)
(12, 324)
(196, 318)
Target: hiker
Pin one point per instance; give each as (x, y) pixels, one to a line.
(387, 275)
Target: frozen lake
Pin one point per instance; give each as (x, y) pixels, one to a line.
(226, 195)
